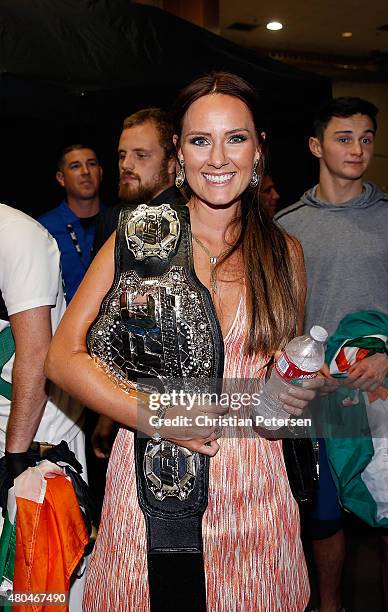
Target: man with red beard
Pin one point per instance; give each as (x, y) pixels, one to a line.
(146, 165)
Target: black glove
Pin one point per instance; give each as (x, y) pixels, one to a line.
(11, 466)
(16, 463)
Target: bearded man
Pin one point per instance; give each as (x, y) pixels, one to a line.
(146, 165)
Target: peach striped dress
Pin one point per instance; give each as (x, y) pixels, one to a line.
(253, 555)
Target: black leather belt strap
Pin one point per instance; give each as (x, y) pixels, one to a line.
(186, 588)
(175, 562)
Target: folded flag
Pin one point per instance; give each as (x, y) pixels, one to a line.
(355, 423)
(50, 535)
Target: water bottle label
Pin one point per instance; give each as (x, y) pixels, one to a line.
(288, 370)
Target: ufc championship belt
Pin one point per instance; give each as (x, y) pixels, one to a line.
(157, 326)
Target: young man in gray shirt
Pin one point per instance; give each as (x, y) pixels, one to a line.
(342, 224)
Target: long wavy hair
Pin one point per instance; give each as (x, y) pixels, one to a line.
(270, 283)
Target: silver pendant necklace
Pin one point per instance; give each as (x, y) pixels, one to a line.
(213, 259)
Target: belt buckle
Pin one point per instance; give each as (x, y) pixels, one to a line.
(170, 470)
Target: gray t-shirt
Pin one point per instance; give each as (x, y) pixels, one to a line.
(346, 254)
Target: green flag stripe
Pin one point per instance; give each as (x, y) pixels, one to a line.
(7, 349)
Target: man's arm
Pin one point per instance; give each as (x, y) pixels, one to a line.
(32, 334)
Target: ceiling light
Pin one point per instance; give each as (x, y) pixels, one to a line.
(274, 25)
(347, 34)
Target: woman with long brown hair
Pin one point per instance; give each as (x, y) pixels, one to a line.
(254, 274)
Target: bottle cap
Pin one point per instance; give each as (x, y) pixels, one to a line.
(318, 333)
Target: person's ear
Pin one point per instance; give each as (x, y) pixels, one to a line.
(60, 178)
(101, 172)
(260, 143)
(171, 166)
(315, 146)
(177, 146)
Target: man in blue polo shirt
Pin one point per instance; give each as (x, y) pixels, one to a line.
(73, 222)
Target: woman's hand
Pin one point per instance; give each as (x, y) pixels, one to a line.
(197, 445)
(297, 397)
(196, 427)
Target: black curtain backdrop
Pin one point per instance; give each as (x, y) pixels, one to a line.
(71, 70)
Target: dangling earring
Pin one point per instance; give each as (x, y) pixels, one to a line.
(255, 179)
(180, 177)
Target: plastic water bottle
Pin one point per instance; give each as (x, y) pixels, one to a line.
(302, 359)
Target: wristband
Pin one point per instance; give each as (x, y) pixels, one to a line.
(16, 463)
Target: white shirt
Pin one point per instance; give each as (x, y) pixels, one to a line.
(30, 277)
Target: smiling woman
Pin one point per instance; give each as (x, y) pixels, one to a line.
(221, 144)
(226, 300)
(219, 161)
